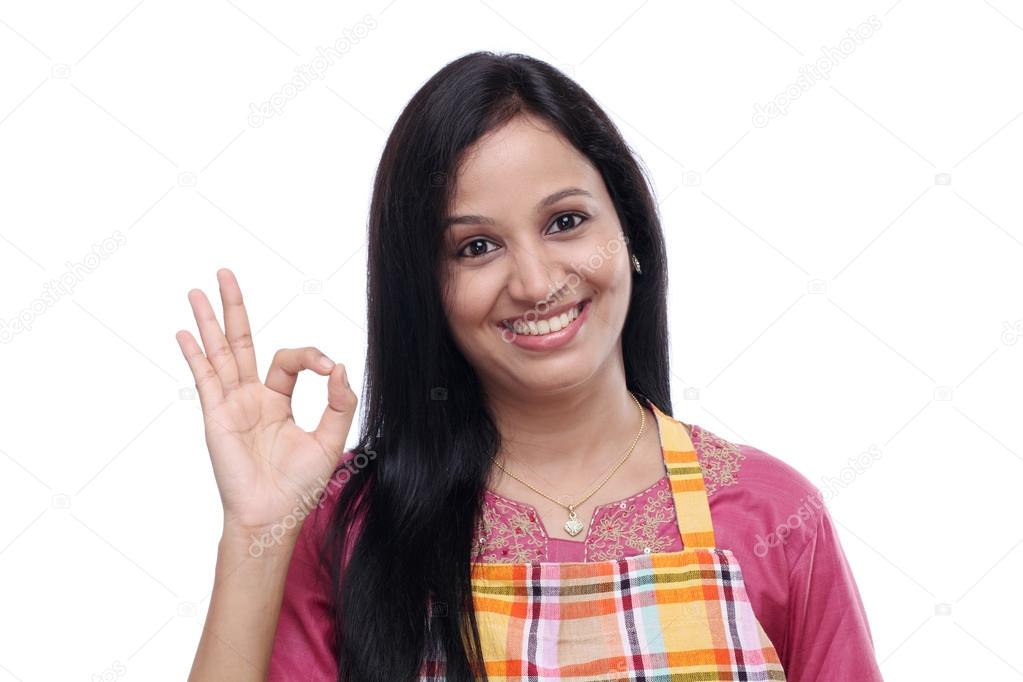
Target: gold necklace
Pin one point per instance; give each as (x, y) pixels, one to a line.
(573, 526)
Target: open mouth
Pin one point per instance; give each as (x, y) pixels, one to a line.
(547, 325)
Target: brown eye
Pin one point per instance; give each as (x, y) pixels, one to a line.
(475, 252)
(476, 248)
(565, 221)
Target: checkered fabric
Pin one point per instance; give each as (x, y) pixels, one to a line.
(666, 616)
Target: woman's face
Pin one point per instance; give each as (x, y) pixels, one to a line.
(533, 232)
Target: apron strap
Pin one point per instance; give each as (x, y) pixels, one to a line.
(687, 487)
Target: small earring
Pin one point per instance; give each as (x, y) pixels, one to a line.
(635, 264)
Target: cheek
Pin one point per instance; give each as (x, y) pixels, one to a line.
(603, 250)
(603, 268)
(468, 302)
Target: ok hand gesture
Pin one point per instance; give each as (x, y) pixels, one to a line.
(262, 461)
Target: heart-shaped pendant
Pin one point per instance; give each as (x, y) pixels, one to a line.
(573, 525)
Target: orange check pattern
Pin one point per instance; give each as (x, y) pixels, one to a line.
(668, 616)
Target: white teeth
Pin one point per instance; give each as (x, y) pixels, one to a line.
(541, 327)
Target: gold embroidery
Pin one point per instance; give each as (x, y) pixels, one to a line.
(515, 537)
(511, 532)
(719, 459)
(621, 532)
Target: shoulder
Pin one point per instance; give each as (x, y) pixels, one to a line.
(303, 640)
(323, 500)
(749, 486)
(326, 491)
(727, 463)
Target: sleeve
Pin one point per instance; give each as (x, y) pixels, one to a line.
(828, 633)
(303, 643)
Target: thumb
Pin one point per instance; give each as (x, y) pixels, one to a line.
(332, 431)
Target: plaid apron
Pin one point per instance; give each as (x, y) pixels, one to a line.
(665, 616)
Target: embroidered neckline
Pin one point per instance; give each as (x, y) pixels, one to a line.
(531, 512)
(512, 530)
(534, 515)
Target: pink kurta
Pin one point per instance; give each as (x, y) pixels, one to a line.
(798, 580)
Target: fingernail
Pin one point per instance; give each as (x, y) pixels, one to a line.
(326, 363)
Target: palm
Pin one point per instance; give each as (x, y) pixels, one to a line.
(265, 465)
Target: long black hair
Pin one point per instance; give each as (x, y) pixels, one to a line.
(426, 427)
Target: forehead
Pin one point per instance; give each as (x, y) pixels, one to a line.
(515, 165)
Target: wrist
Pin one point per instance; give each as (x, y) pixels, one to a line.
(257, 542)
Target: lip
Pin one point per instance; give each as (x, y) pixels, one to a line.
(550, 312)
(552, 341)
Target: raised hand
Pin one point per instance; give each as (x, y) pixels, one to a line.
(264, 464)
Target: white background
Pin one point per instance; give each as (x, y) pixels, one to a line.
(845, 277)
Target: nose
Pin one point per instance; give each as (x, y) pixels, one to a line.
(534, 275)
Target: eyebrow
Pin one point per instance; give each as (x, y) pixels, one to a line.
(543, 203)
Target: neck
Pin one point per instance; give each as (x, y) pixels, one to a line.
(569, 439)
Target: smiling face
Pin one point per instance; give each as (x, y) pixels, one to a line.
(534, 232)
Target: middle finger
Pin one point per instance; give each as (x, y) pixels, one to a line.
(218, 351)
(236, 321)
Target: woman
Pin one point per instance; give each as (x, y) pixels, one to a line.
(520, 504)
